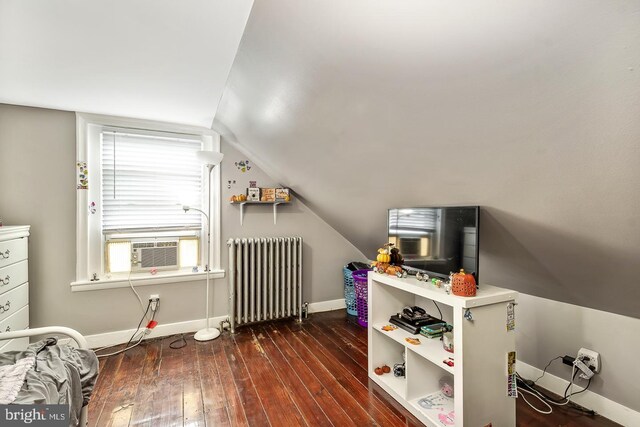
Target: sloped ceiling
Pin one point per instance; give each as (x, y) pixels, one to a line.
(154, 59)
(529, 109)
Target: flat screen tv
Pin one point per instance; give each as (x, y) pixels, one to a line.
(437, 240)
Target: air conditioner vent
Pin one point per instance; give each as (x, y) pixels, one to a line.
(161, 254)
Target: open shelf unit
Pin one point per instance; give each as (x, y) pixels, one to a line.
(255, 202)
(481, 345)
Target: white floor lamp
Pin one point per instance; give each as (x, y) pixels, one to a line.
(211, 159)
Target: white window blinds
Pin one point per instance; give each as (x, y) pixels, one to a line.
(144, 180)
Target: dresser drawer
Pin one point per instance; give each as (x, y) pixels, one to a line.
(14, 300)
(16, 322)
(17, 344)
(13, 275)
(12, 251)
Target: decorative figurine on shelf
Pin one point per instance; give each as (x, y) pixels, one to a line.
(395, 255)
(446, 386)
(389, 261)
(398, 370)
(423, 277)
(447, 341)
(447, 287)
(463, 284)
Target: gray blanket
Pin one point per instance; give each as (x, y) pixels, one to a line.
(62, 374)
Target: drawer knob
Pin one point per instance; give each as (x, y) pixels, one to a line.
(5, 254)
(6, 307)
(5, 281)
(8, 329)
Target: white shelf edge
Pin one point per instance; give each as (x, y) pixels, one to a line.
(486, 294)
(256, 202)
(427, 349)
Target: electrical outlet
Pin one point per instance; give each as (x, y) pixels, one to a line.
(154, 300)
(593, 361)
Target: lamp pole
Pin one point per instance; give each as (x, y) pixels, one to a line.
(211, 159)
(207, 269)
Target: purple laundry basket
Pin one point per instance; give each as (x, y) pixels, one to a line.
(360, 285)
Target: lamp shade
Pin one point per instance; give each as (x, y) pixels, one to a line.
(210, 158)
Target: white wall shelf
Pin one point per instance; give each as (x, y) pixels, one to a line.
(480, 358)
(251, 202)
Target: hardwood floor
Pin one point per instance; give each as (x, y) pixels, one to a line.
(273, 374)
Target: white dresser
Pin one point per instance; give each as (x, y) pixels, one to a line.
(14, 284)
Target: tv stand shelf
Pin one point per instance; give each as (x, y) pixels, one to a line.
(480, 359)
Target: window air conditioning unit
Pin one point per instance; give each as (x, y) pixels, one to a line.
(160, 254)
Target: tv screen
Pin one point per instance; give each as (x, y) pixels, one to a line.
(437, 240)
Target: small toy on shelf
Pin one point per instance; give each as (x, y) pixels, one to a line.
(384, 369)
(448, 362)
(446, 386)
(398, 370)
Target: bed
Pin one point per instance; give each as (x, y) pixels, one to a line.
(48, 372)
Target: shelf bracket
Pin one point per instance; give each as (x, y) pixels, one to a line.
(241, 213)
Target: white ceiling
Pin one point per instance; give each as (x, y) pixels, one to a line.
(154, 59)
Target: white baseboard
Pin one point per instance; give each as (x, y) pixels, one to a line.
(336, 304)
(121, 337)
(163, 330)
(603, 406)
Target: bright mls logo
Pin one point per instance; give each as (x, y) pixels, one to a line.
(34, 415)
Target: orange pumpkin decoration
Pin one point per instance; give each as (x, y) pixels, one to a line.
(464, 284)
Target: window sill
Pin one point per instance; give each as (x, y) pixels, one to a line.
(144, 279)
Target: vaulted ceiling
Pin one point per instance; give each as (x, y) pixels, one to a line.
(529, 109)
(154, 59)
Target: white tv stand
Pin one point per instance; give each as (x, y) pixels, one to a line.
(481, 348)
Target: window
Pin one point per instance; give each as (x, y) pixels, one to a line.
(130, 217)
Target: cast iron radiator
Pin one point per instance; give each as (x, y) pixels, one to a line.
(265, 279)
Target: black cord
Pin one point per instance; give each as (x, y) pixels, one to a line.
(575, 372)
(178, 347)
(439, 311)
(545, 368)
(139, 324)
(583, 390)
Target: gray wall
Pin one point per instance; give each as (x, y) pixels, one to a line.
(37, 187)
(531, 112)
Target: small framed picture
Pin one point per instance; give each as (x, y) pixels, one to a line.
(253, 194)
(268, 194)
(282, 195)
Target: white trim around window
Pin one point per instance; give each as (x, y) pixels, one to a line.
(89, 255)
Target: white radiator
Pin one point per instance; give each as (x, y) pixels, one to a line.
(265, 279)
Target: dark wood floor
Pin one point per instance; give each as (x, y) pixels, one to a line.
(274, 374)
